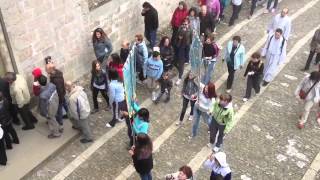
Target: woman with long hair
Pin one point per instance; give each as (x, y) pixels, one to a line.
(101, 44)
(116, 63)
(166, 53)
(141, 155)
(99, 83)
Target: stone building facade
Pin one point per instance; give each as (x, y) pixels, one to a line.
(63, 30)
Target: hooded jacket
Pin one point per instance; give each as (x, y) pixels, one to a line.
(78, 103)
(179, 15)
(153, 68)
(223, 170)
(223, 115)
(141, 55)
(48, 101)
(56, 77)
(19, 91)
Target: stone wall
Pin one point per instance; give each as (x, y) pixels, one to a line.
(63, 29)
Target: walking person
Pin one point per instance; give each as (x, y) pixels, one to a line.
(165, 88)
(79, 110)
(273, 9)
(219, 167)
(13, 109)
(153, 69)
(166, 53)
(141, 54)
(99, 83)
(102, 45)
(207, 22)
(236, 8)
(209, 58)
(282, 21)
(179, 15)
(141, 155)
(235, 58)
(214, 9)
(275, 53)
(189, 94)
(314, 49)
(202, 107)
(308, 91)
(184, 173)
(151, 23)
(252, 8)
(182, 48)
(223, 5)
(9, 133)
(56, 77)
(193, 17)
(254, 71)
(116, 97)
(48, 106)
(222, 115)
(3, 154)
(20, 95)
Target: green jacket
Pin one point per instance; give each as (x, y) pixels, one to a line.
(223, 116)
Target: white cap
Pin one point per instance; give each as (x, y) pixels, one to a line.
(156, 49)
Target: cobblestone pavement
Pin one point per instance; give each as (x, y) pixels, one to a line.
(264, 144)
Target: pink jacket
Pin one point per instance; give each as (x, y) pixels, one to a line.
(214, 7)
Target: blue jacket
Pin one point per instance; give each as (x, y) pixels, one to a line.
(239, 58)
(141, 55)
(153, 68)
(116, 91)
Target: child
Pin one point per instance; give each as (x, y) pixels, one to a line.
(141, 121)
(184, 173)
(217, 163)
(36, 86)
(165, 86)
(124, 51)
(115, 63)
(254, 71)
(222, 120)
(189, 93)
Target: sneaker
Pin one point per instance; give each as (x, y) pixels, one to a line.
(25, 128)
(121, 120)
(190, 118)
(216, 149)
(300, 125)
(186, 63)
(51, 136)
(245, 99)
(273, 10)
(86, 140)
(61, 129)
(94, 111)
(228, 90)
(208, 132)
(108, 125)
(265, 83)
(190, 137)
(178, 82)
(179, 123)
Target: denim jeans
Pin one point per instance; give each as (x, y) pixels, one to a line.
(146, 176)
(60, 112)
(196, 120)
(151, 36)
(209, 68)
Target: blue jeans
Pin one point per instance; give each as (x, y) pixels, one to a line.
(196, 120)
(209, 68)
(59, 116)
(151, 36)
(146, 176)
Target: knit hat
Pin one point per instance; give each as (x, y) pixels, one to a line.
(221, 158)
(36, 72)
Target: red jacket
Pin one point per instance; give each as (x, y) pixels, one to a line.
(118, 67)
(178, 17)
(202, 2)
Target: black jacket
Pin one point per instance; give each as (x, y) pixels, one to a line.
(142, 166)
(207, 23)
(5, 117)
(57, 79)
(166, 54)
(151, 21)
(5, 89)
(99, 79)
(184, 37)
(165, 84)
(257, 68)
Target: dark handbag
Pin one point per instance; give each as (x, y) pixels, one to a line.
(303, 94)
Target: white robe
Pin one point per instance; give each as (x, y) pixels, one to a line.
(283, 23)
(274, 57)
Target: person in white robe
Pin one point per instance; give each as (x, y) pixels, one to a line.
(282, 21)
(275, 53)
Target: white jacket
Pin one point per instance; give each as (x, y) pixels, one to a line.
(305, 85)
(19, 91)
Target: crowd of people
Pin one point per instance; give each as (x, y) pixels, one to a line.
(58, 99)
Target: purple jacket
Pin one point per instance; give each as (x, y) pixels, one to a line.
(214, 7)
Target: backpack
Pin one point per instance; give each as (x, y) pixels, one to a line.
(216, 48)
(282, 43)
